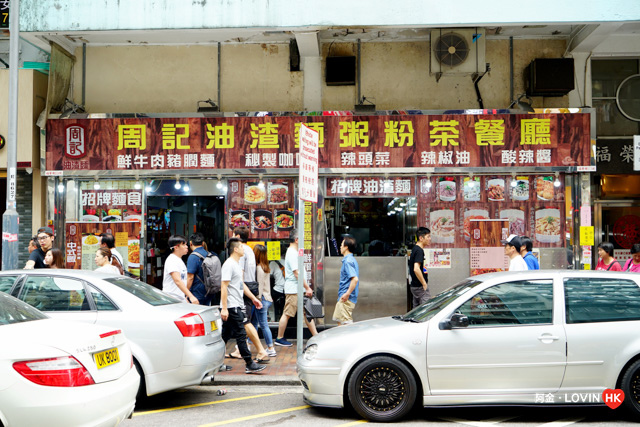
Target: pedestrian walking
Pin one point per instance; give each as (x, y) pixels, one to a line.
(526, 250)
(36, 258)
(349, 283)
(232, 305)
(195, 273)
(260, 316)
(419, 285)
(174, 278)
(633, 264)
(33, 244)
(107, 240)
(103, 261)
(606, 261)
(53, 258)
(277, 289)
(291, 292)
(512, 250)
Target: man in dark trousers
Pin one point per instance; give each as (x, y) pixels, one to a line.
(195, 276)
(419, 277)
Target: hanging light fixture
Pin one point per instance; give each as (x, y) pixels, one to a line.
(219, 183)
(261, 183)
(61, 188)
(96, 184)
(177, 185)
(557, 182)
(186, 187)
(513, 179)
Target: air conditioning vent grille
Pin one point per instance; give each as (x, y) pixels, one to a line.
(451, 50)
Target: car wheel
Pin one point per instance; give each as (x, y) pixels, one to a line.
(382, 389)
(631, 387)
(142, 388)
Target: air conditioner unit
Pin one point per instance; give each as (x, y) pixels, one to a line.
(457, 52)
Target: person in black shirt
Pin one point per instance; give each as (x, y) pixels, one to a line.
(36, 258)
(419, 277)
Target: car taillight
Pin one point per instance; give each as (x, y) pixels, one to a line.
(191, 325)
(58, 372)
(109, 334)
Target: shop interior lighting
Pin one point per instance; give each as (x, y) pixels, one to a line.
(96, 184)
(149, 188)
(178, 186)
(403, 204)
(61, 188)
(137, 185)
(219, 183)
(398, 208)
(186, 187)
(513, 179)
(557, 181)
(261, 183)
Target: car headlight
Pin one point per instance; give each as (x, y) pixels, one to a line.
(310, 352)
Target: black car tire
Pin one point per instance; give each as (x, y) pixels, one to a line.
(382, 389)
(142, 388)
(630, 385)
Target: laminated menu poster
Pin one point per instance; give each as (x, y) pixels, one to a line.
(486, 248)
(267, 209)
(83, 241)
(534, 205)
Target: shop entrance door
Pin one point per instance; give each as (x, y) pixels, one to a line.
(617, 222)
(183, 215)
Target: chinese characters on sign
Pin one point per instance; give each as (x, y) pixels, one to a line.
(308, 181)
(371, 186)
(448, 140)
(111, 205)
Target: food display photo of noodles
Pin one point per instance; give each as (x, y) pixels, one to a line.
(548, 225)
(443, 228)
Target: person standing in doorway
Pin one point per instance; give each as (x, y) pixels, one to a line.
(291, 292)
(419, 276)
(526, 250)
(349, 283)
(107, 240)
(512, 250)
(232, 308)
(36, 258)
(174, 279)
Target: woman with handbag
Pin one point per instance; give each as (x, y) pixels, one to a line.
(264, 294)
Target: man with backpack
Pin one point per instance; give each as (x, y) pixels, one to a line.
(204, 272)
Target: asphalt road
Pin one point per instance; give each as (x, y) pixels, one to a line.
(283, 406)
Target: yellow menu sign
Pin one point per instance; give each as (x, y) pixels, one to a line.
(122, 239)
(587, 236)
(273, 251)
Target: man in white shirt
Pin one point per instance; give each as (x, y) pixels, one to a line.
(232, 307)
(174, 278)
(512, 250)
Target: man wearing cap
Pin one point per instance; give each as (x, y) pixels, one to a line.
(36, 258)
(512, 250)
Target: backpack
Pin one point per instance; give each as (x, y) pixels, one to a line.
(211, 272)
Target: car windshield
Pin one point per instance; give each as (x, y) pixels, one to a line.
(13, 310)
(427, 310)
(146, 293)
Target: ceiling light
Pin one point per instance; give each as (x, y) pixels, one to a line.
(398, 208)
(261, 183)
(96, 185)
(137, 185)
(557, 182)
(61, 188)
(513, 180)
(219, 183)
(178, 186)
(186, 187)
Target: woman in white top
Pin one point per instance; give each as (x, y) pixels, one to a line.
(103, 260)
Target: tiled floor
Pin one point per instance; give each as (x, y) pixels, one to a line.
(284, 364)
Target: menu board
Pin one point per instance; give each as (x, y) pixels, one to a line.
(533, 205)
(83, 241)
(111, 205)
(486, 248)
(267, 209)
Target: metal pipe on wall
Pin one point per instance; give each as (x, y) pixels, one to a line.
(511, 95)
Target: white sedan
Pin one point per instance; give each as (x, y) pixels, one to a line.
(524, 338)
(58, 373)
(174, 344)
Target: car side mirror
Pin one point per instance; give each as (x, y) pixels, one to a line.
(459, 320)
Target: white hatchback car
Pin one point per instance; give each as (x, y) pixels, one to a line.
(174, 344)
(58, 373)
(543, 337)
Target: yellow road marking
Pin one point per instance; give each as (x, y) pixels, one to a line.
(352, 423)
(195, 405)
(253, 417)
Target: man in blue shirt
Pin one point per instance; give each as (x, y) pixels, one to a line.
(194, 272)
(526, 252)
(349, 283)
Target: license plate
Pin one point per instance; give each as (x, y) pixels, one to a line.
(107, 357)
(214, 327)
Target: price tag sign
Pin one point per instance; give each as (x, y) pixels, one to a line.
(308, 180)
(587, 236)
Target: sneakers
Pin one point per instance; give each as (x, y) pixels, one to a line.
(253, 368)
(282, 342)
(271, 353)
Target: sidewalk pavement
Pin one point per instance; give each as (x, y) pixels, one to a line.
(281, 370)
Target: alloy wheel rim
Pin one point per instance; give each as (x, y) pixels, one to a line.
(635, 387)
(382, 389)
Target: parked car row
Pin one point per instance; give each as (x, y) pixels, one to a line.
(140, 342)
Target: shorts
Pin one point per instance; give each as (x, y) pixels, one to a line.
(248, 307)
(291, 305)
(344, 312)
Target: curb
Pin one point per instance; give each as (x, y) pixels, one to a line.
(255, 379)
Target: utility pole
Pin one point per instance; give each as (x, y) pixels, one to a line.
(10, 218)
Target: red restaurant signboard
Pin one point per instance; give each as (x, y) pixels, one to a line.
(405, 141)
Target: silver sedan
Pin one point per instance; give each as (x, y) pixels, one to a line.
(525, 338)
(174, 344)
